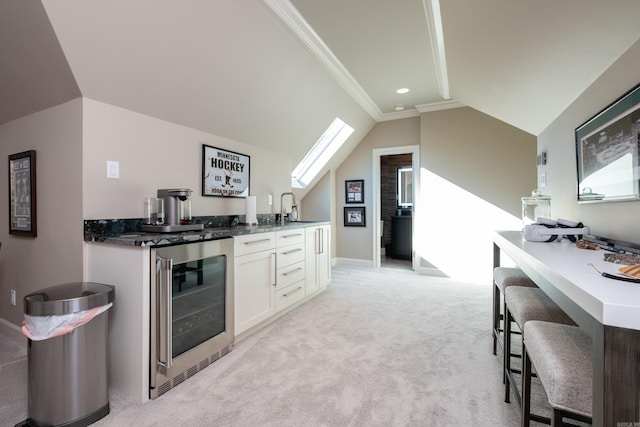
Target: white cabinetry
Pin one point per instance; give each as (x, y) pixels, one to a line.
(128, 268)
(255, 279)
(290, 262)
(318, 259)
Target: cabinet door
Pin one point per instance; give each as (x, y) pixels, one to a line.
(311, 241)
(323, 258)
(318, 241)
(255, 289)
(401, 237)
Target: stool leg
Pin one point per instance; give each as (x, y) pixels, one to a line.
(526, 388)
(504, 341)
(506, 351)
(496, 316)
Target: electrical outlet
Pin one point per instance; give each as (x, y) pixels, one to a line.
(270, 200)
(13, 297)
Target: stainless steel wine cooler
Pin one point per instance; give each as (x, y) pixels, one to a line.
(191, 310)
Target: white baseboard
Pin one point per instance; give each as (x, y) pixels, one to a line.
(355, 262)
(426, 271)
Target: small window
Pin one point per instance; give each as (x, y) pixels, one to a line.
(330, 141)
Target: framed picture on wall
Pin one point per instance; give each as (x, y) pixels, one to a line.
(354, 216)
(224, 173)
(22, 194)
(608, 152)
(354, 191)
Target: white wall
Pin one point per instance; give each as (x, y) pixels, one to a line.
(316, 205)
(616, 220)
(55, 256)
(155, 154)
(474, 171)
(73, 142)
(356, 243)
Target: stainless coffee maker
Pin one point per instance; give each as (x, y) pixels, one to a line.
(177, 212)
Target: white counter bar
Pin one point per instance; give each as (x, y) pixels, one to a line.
(609, 310)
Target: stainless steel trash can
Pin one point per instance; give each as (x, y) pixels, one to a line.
(68, 374)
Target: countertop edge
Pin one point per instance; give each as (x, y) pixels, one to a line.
(145, 239)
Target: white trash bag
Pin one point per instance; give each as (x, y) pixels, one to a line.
(38, 328)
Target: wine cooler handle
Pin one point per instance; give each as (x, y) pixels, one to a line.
(165, 308)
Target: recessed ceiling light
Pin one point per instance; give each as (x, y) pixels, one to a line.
(402, 90)
(399, 107)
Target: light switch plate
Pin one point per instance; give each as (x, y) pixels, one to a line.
(270, 200)
(113, 169)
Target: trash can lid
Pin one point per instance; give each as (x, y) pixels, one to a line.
(68, 298)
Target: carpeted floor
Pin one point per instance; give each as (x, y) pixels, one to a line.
(379, 347)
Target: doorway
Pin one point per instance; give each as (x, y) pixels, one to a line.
(396, 183)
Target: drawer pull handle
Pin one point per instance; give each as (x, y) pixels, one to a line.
(292, 292)
(291, 235)
(292, 271)
(292, 251)
(253, 242)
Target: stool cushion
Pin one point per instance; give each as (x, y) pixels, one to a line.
(510, 276)
(563, 361)
(527, 304)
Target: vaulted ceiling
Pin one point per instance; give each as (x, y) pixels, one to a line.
(275, 73)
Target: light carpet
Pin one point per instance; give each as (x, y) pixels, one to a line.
(380, 347)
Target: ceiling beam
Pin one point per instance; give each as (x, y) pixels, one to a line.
(436, 38)
(296, 23)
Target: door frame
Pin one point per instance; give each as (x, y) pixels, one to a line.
(414, 150)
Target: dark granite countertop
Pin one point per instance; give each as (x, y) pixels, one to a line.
(138, 238)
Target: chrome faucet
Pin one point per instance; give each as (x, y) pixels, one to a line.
(293, 202)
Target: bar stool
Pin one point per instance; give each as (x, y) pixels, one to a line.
(523, 305)
(503, 277)
(562, 357)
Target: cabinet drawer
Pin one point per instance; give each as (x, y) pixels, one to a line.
(290, 274)
(250, 243)
(289, 237)
(289, 295)
(289, 255)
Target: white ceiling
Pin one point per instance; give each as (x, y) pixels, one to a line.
(275, 73)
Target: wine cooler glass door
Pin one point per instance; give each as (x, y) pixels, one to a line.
(198, 302)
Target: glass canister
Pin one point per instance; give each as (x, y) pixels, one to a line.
(534, 207)
(153, 211)
(185, 212)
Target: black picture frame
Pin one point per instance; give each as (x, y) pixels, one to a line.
(225, 173)
(22, 194)
(355, 216)
(608, 152)
(354, 191)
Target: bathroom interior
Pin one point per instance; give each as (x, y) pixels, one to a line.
(396, 209)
